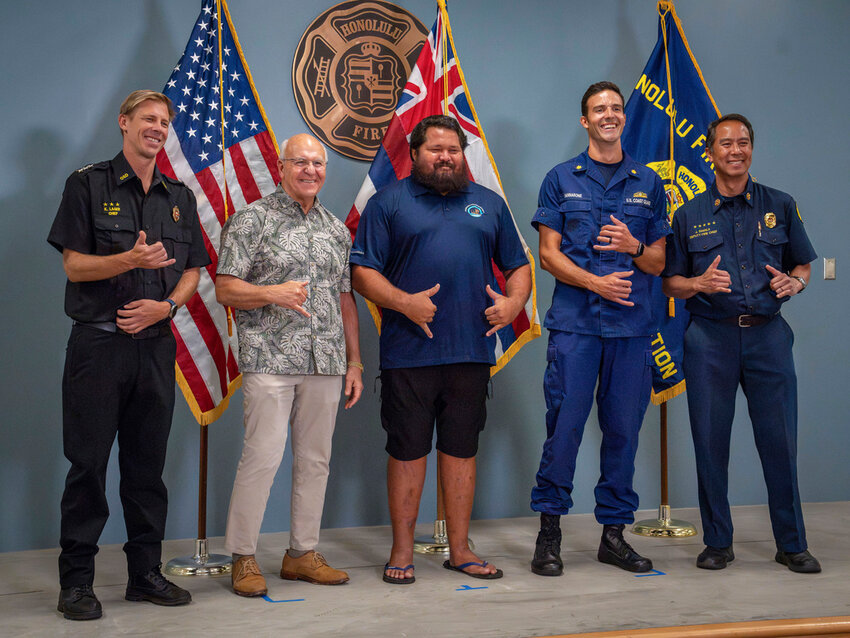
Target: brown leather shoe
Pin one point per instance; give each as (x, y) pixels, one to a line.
(247, 578)
(313, 568)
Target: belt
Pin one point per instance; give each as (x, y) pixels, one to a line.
(748, 321)
(110, 326)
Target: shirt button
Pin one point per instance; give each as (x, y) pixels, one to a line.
(740, 245)
(743, 266)
(747, 286)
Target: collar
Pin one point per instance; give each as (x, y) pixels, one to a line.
(628, 167)
(717, 200)
(290, 202)
(417, 189)
(123, 172)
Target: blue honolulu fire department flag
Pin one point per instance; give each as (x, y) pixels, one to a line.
(666, 120)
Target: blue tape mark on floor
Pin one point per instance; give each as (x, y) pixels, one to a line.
(291, 600)
(654, 572)
(468, 588)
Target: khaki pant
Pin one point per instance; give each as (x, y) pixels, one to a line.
(309, 403)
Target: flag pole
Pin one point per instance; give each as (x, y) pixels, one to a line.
(201, 562)
(664, 526)
(439, 542)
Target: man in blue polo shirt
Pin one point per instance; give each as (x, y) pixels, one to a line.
(603, 227)
(423, 252)
(738, 252)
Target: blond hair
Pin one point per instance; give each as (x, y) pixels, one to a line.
(137, 97)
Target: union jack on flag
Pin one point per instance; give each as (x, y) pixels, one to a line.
(436, 86)
(221, 146)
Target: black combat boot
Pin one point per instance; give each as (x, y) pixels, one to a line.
(614, 550)
(547, 551)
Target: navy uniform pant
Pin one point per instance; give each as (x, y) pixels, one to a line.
(718, 357)
(575, 364)
(114, 385)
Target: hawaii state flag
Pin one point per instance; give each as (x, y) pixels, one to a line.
(666, 120)
(221, 146)
(436, 86)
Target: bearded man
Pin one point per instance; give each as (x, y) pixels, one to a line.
(423, 252)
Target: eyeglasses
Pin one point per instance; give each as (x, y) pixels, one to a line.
(300, 162)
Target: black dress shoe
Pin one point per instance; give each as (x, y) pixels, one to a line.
(614, 550)
(79, 603)
(547, 552)
(715, 557)
(154, 588)
(800, 562)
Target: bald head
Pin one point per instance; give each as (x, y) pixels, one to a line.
(301, 138)
(302, 168)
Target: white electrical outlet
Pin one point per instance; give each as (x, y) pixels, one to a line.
(829, 267)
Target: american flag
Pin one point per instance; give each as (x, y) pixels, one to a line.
(436, 86)
(217, 108)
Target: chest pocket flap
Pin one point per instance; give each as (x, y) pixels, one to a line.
(700, 244)
(114, 223)
(637, 210)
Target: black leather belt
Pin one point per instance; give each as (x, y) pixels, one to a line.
(110, 326)
(748, 321)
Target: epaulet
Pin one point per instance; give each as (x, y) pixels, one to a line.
(98, 166)
(172, 180)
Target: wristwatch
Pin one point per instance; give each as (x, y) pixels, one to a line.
(173, 310)
(639, 251)
(802, 281)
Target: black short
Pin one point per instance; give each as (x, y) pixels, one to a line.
(413, 399)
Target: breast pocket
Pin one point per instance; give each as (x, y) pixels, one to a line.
(176, 240)
(637, 219)
(770, 247)
(579, 226)
(703, 250)
(114, 234)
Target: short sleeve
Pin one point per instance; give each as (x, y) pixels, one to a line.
(548, 204)
(372, 242)
(800, 250)
(659, 227)
(677, 256)
(510, 253)
(240, 238)
(72, 227)
(198, 255)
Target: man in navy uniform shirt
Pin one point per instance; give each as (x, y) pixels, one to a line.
(132, 249)
(738, 252)
(603, 225)
(423, 252)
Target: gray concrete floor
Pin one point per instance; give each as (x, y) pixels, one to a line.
(589, 596)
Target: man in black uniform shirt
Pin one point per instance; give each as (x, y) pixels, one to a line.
(132, 249)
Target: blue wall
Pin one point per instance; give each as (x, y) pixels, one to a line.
(68, 64)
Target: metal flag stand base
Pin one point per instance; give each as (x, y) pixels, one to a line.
(201, 563)
(664, 526)
(439, 542)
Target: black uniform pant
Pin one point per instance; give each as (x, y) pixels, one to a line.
(114, 385)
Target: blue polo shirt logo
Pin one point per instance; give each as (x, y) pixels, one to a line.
(474, 210)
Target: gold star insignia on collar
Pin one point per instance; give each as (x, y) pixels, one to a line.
(717, 202)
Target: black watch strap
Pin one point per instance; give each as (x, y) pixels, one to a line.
(173, 310)
(639, 252)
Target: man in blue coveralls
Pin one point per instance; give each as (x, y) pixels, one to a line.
(423, 252)
(738, 252)
(603, 227)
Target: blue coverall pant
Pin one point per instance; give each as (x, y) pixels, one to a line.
(718, 357)
(575, 363)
